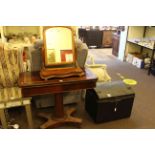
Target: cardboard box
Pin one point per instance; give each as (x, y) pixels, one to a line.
(138, 62)
(129, 58)
(136, 59)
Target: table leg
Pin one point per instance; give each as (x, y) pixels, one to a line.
(29, 115)
(3, 119)
(59, 108)
(60, 117)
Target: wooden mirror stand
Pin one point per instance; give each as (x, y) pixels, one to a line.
(58, 54)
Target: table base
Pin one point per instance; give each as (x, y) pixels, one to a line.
(53, 122)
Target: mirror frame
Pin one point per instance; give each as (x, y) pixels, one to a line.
(44, 51)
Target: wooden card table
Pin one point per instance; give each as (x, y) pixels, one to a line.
(32, 85)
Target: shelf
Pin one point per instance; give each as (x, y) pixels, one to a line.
(148, 45)
(143, 37)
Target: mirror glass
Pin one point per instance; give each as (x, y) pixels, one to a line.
(59, 47)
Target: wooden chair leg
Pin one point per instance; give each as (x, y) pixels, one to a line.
(3, 119)
(29, 115)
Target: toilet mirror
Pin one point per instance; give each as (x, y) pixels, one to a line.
(58, 46)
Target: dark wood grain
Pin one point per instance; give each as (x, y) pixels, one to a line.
(59, 109)
(33, 85)
(107, 38)
(115, 44)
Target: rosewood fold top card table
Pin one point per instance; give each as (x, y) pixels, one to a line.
(32, 85)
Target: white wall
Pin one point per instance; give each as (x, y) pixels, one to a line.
(150, 32)
(122, 44)
(135, 32)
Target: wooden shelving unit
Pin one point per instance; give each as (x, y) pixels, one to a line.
(96, 37)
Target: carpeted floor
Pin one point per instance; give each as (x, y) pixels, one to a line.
(143, 112)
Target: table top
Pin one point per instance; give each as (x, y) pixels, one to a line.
(32, 84)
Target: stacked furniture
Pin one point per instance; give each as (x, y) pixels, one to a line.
(10, 93)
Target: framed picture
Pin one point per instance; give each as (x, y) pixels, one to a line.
(66, 55)
(50, 56)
